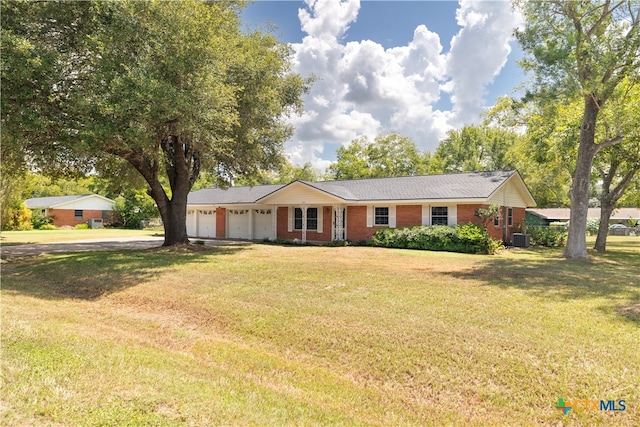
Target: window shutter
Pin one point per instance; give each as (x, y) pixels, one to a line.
(369, 216)
(425, 214)
(453, 215)
(320, 208)
(290, 219)
(392, 217)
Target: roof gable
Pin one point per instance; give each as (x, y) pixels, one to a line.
(301, 192)
(60, 201)
(513, 192)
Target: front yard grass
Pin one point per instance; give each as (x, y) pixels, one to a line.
(282, 335)
(64, 235)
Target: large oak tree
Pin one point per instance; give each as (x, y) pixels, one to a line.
(586, 49)
(172, 88)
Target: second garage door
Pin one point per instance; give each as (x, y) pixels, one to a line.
(238, 223)
(206, 223)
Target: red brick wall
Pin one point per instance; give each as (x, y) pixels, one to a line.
(518, 220)
(407, 216)
(466, 213)
(357, 229)
(221, 223)
(312, 236)
(66, 217)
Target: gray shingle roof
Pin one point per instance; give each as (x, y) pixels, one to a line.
(47, 202)
(473, 185)
(232, 195)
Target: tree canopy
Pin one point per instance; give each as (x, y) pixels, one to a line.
(475, 148)
(581, 50)
(385, 156)
(172, 88)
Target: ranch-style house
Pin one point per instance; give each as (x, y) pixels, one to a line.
(320, 212)
(74, 209)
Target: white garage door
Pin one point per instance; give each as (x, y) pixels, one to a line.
(206, 223)
(238, 223)
(262, 224)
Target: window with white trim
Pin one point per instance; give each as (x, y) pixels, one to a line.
(496, 220)
(381, 216)
(510, 217)
(312, 219)
(439, 215)
(77, 214)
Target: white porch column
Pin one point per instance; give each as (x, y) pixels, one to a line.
(338, 223)
(274, 222)
(251, 236)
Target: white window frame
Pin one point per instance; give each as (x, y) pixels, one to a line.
(445, 215)
(379, 218)
(371, 209)
(292, 219)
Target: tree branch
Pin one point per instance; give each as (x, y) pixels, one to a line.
(608, 143)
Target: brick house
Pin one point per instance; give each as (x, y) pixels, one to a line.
(72, 210)
(320, 212)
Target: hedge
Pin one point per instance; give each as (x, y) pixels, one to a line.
(465, 238)
(548, 236)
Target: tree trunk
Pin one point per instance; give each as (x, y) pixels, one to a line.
(587, 148)
(182, 165)
(609, 199)
(603, 229)
(174, 220)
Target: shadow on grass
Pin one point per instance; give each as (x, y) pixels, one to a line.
(614, 276)
(91, 275)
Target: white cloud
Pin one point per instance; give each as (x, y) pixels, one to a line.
(329, 18)
(361, 88)
(478, 53)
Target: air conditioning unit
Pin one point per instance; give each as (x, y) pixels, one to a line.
(520, 240)
(95, 223)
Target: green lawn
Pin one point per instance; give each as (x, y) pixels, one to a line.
(282, 335)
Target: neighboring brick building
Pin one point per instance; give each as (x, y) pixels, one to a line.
(72, 210)
(355, 209)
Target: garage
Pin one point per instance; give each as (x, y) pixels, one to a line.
(206, 223)
(238, 224)
(262, 224)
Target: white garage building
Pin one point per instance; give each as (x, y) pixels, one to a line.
(235, 215)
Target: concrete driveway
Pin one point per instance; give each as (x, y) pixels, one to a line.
(115, 243)
(82, 245)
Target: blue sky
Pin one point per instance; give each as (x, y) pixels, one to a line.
(419, 68)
